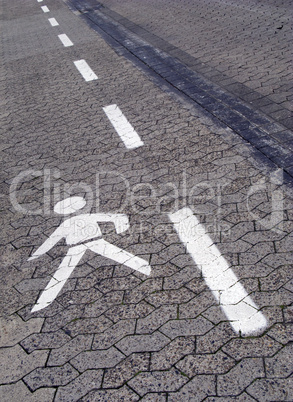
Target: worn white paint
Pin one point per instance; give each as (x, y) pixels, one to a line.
(82, 233)
(69, 205)
(45, 9)
(237, 305)
(65, 40)
(53, 22)
(85, 70)
(123, 128)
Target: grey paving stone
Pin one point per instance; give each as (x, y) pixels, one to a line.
(251, 347)
(157, 318)
(195, 390)
(80, 386)
(113, 334)
(129, 311)
(218, 363)
(272, 390)
(111, 395)
(196, 326)
(240, 376)
(288, 314)
(45, 340)
(154, 397)
(125, 370)
(63, 354)
(159, 298)
(197, 305)
(282, 333)
(244, 397)
(80, 297)
(110, 285)
(88, 325)
(28, 285)
(15, 363)
(13, 329)
(19, 392)
(170, 354)
(197, 285)
(63, 317)
(50, 376)
(142, 343)
(157, 381)
(183, 277)
(281, 365)
(103, 304)
(97, 359)
(143, 290)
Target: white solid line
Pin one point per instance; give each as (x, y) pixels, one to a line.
(45, 9)
(225, 286)
(123, 128)
(85, 70)
(65, 40)
(53, 22)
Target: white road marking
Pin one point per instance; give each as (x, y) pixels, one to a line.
(65, 40)
(239, 308)
(123, 128)
(85, 70)
(45, 9)
(53, 22)
(39, 1)
(84, 229)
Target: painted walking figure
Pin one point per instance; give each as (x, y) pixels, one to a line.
(82, 233)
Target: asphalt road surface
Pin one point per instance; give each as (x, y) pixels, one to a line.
(146, 242)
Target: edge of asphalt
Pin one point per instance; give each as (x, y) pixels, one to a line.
(211, 101)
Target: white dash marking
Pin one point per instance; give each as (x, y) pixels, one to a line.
(123, 128)
(239, 308)
(45, 9)
(53, 22)
(85, 70)
(65, 40)
(39, 1)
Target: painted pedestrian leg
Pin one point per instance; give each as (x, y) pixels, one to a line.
(70, 261)
(238, 307)
(75, 254)
(82, 229)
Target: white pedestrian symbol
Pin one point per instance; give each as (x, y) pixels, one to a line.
(79, 232)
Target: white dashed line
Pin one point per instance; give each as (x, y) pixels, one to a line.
(85, 70)
(53, 22)
(123, 128)
(45, 9)
(65, 40)
(39, 1)
(239, 308)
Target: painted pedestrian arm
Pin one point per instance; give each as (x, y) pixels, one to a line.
(48, 244)
(120, 221)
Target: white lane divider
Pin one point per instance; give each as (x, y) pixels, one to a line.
(65, 40)
(39, 1)
(238, 307)
(53, 22)
(123, 128)
(85, 70)
(45, 9)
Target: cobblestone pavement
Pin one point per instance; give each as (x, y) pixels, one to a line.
(113, 333)
(245, 47)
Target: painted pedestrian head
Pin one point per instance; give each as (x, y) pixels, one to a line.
(69, 205)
